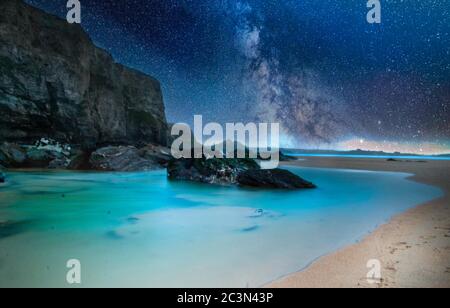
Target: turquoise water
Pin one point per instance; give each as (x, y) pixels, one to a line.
(138, 229)
(373, 156)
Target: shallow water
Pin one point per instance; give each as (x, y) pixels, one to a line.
(387, 156)
(138, 229)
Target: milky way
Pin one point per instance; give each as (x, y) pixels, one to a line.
(317, 67)
(290, 97)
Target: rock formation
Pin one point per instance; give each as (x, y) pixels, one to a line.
(36, 156)
(211, 171)
(55, 83)
(123, 158)
(52, 155)
(277, 178)
(157, 154)
(88, 112)
(242, 172)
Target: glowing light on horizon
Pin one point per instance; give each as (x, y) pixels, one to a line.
(425, 148)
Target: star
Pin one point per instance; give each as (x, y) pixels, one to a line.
(317, 67)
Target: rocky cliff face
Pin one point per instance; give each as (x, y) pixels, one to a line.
(55, 83)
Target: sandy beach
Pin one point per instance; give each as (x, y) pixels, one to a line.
(413, 248)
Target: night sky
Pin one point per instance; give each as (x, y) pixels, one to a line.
(331, 79)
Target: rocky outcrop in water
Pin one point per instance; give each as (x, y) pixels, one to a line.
(35, 156)
(120, 159)
(55, 83)
(157, 154)
(242, 172)
(49, 154)
(12, 155)
(276, 178)
(211, 171)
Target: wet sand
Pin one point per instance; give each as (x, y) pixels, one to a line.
(413, 248)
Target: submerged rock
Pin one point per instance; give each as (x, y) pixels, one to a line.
(212, 171)
(250, 229)
(133, 220)
(2, 177)
(114, 235)
(122, 158)
(11, 228)
(276, 178)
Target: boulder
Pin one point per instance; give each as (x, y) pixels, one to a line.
(121, 158)
(277, 178)
(12, 155)
(80, 161)
(41, 158)
(31, 156)
(59, 163)
(212, 171)
(158, 154)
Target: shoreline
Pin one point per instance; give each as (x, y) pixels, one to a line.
(413, 247)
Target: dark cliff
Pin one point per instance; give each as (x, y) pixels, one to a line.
(55, 83)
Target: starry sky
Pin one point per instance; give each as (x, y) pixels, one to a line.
(331, 79)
